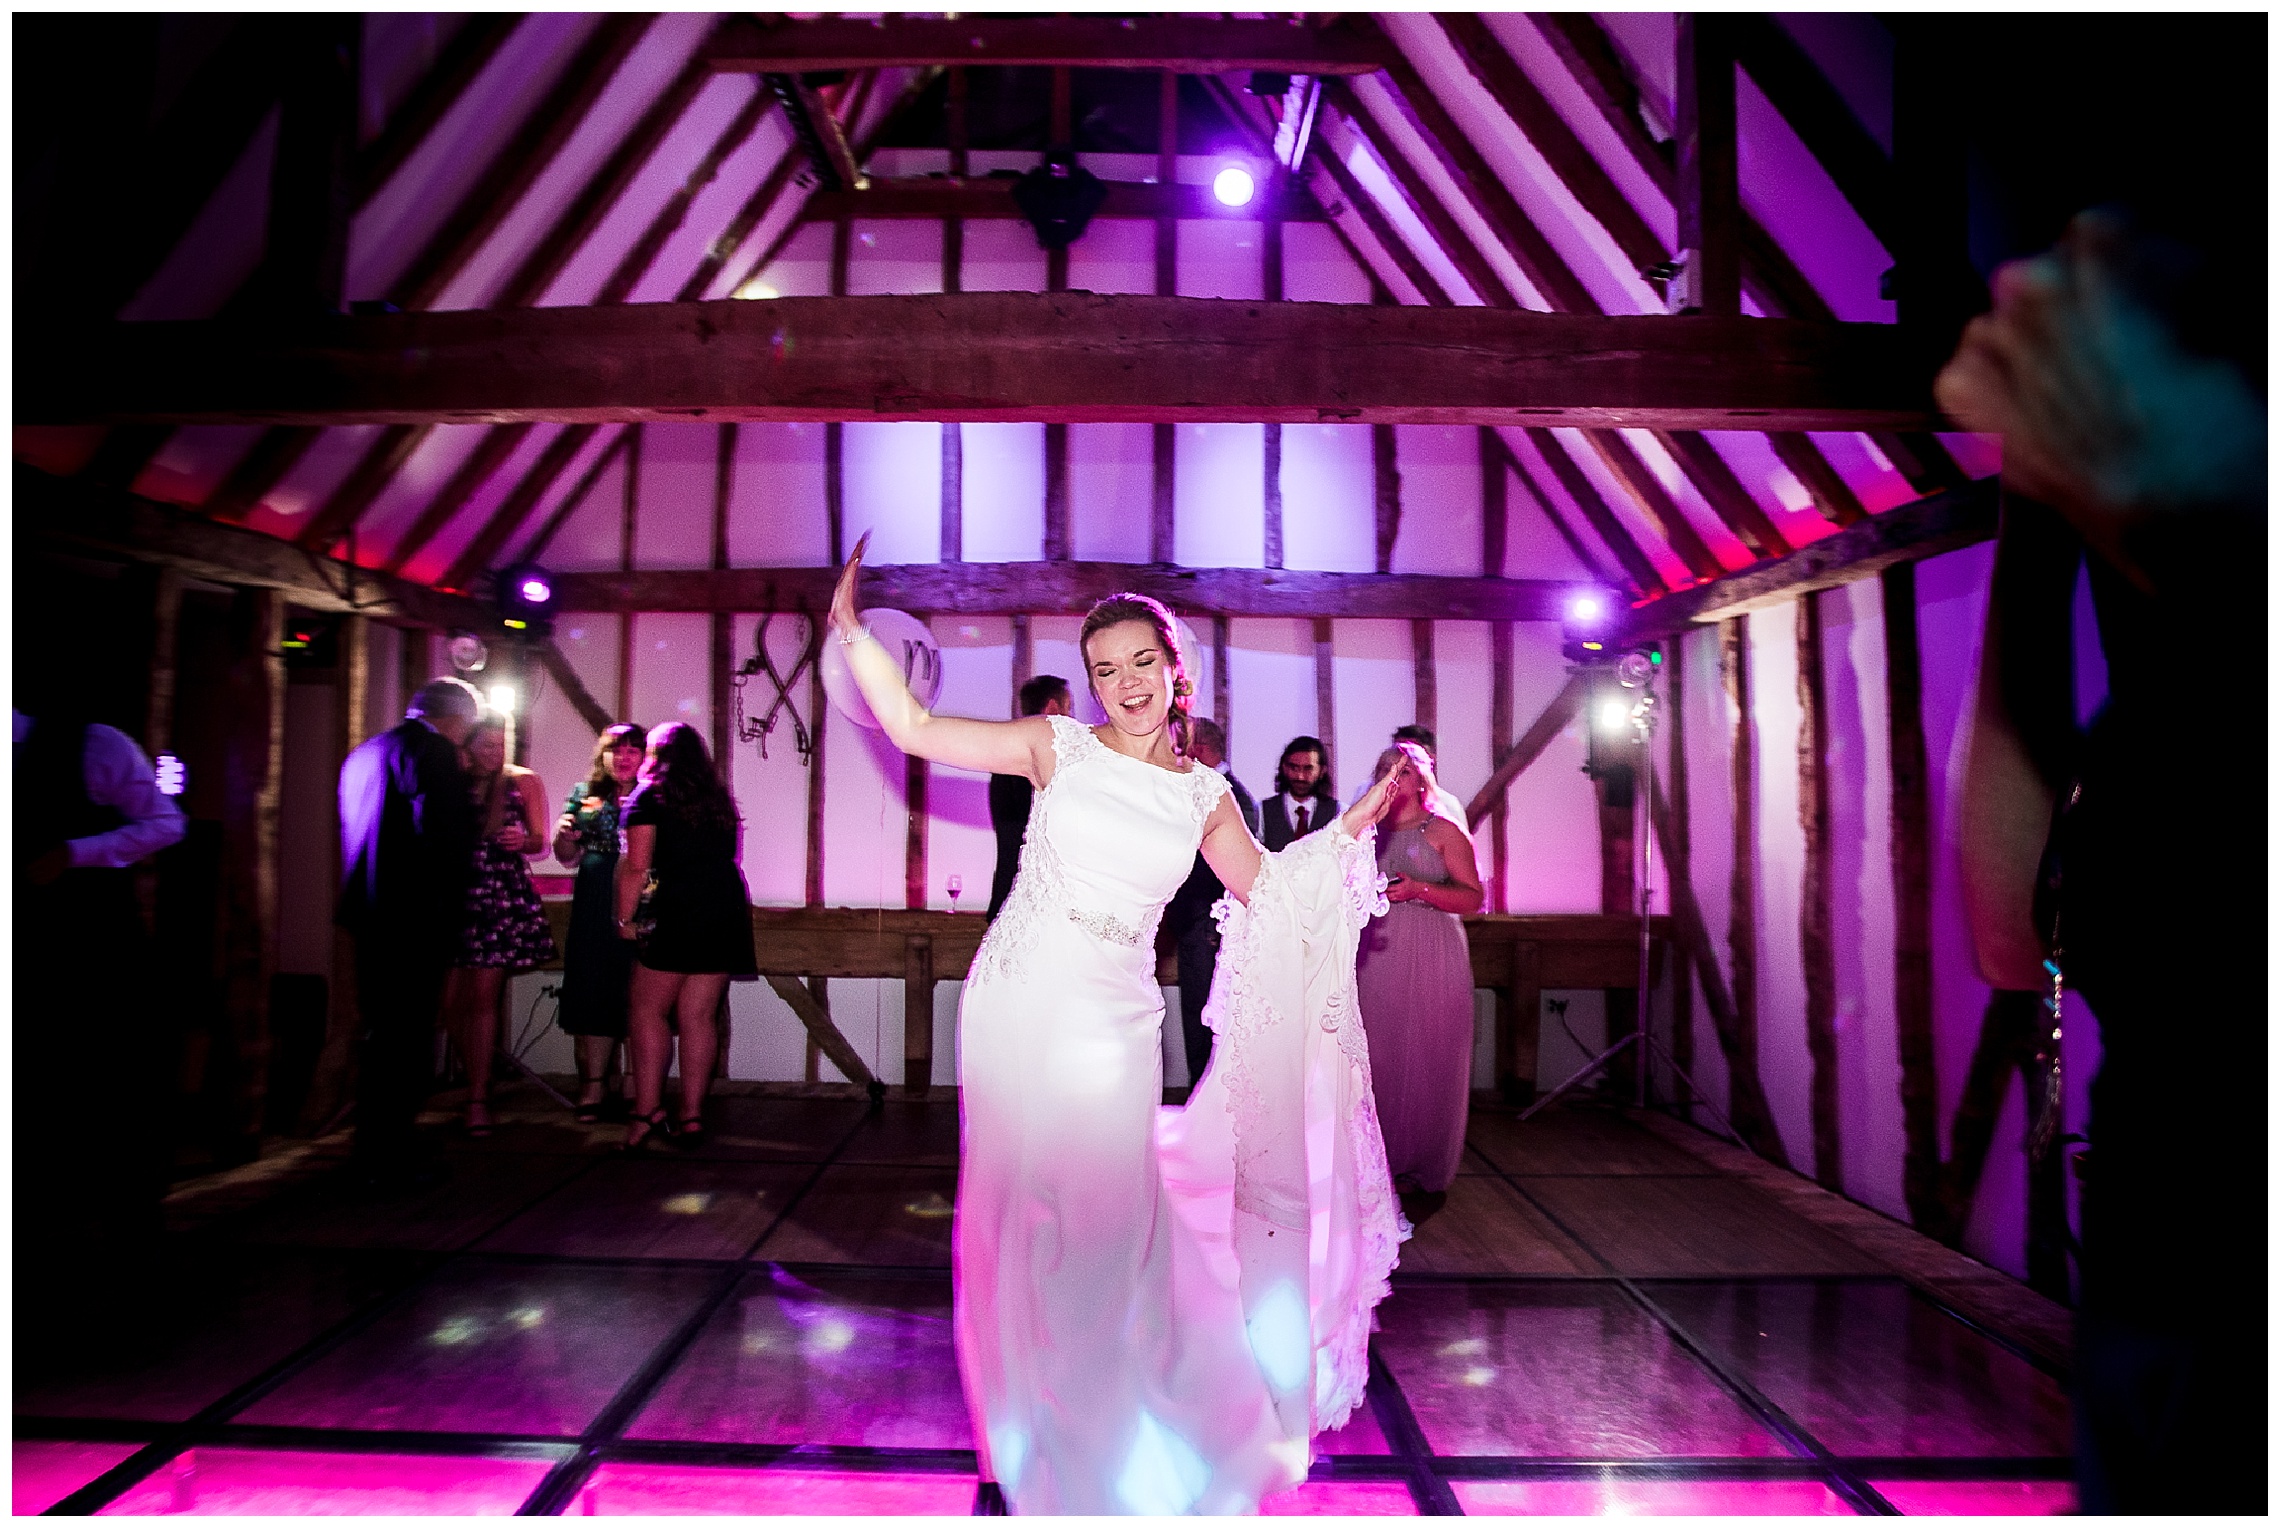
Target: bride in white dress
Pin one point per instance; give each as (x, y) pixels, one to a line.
(1156, 1309)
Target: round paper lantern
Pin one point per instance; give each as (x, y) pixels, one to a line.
(907, 641)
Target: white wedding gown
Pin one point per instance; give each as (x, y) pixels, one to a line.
(1158, 1308)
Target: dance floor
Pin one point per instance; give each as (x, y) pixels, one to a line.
(1610, 1315)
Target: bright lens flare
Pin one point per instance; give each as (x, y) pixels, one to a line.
(537, 591)
(1614, 715)
(1584, 607)
(1233, 186)
(502, 697)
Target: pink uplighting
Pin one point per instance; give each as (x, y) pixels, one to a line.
(1981, 1498)
(42, 1474)
(677, 1490)
(246, 1482)
(1650, 1498)
(1342, 1498)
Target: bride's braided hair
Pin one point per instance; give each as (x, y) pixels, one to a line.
(1119, 608)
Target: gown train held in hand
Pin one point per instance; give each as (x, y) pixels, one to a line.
(1158, 1309)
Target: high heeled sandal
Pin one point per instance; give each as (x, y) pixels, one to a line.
(650, 1126)
(591, 1113)
(689, 1132)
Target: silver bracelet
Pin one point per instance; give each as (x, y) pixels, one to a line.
(846, 641)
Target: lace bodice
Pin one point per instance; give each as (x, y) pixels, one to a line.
(1110, 839)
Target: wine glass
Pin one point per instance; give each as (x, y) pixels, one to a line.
(955, 885)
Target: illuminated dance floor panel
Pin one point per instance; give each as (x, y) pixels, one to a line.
(762, 1327)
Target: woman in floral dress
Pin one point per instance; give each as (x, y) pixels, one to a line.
(505, 926)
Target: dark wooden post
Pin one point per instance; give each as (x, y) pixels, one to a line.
(1911, 899)
(1499, 745)
(918, 1014)
(953, 492)
(1741, 924)
(1427, 710)
(1060, 133)
(1162, 504)
(1325, 687)
(1272, 451)
(1056, 493)
(1708, 191)
(628, 503)
(253, 771)
(1813, 911)
(723, 630)
(1385, 472)
(1024, 662)
(1519, 1020)
(1678, 860)
(1221, 683)
(165, 607)
(916, 775)
(817, 708)
(1495, 503)
(336, 1063)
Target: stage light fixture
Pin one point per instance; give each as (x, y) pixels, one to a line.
(1234, 186)
(1586, 618)
(526, 599)
(1614, 714)
(1059, 198)
(503, 698)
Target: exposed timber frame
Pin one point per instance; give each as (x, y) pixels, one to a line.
(1181, 44)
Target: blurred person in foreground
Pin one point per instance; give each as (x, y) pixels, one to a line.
(1011, 795)
(1195, 935)
(2132, 858)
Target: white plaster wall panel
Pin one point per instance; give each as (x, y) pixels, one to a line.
(432, 561)
(592, 540)
(1772, 485)
(1053, 650)
(194, 462)
(1004, 492)
(1329, 498)
(893, 481)
(1115, 255)
(775, 497)
(397, 49)
(977, 680)
(1112, 491)
(1710, 820)
(1389, 127)
(1859, 763)
(1552, 850)
(1379, 259)
(1440, 499)
(1463, 669)
(1316, 267)
(1624, 508)
(802, 268)
(1374, 681)
(1794, 200)
(1002, 255)
(1866, 469)
(766, 1041)
(1537, 477)
(1221, 257)
(1567, 1040)
(1524, 40)
(409, 210)
(653, 184)
(415, 485)
(1951, 605)
(525, 545)
(673, 517)
(1586, 248)
(772, 792)
(1337, 137)
(1784, 1064)
(1724, 545)
(711, 211)
(672, 670)
(283, 511)
(223, 245)
(864, 820)
(887, 257)
(1270, 681)
(561, 744)
(644, 76)
(1219, 495)
(1533, 545)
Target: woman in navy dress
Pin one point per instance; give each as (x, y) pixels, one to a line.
(681, 899)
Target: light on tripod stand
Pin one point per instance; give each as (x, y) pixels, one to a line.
(1614, 715)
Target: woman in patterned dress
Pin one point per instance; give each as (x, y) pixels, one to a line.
(505, 926)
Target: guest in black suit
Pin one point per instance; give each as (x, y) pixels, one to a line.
(1046, 695)
(1188, 916)
(408, 830)
(1304, 798)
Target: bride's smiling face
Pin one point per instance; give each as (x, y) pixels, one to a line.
(1131, 676)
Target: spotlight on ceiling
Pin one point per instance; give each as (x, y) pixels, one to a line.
(1059, 198)
(1234, 186)
(526, 599)
(1587, 617)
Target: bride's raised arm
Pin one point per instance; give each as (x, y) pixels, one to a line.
(1233, 854)
(1023, 747)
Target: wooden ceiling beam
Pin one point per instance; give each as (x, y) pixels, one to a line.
(1047, 588)
(1075, 356)
(1645, 578)
(1832, 495)
(1181, 44)
(1249, 115)
(1958, 518)
(461, 63)
(71, 514)
(1821, 119)
(917, 199)
(1487, 284)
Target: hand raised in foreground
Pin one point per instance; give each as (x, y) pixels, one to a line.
(1365, 812)
(846, 620)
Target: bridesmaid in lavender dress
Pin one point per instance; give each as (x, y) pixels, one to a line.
(1416, 985)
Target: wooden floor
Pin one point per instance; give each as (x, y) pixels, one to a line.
(1613, 1312)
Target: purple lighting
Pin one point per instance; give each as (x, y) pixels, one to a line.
(1233, 186)
(535, 590)
(1586, 609)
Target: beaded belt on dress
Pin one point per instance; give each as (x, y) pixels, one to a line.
(1115, 930)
